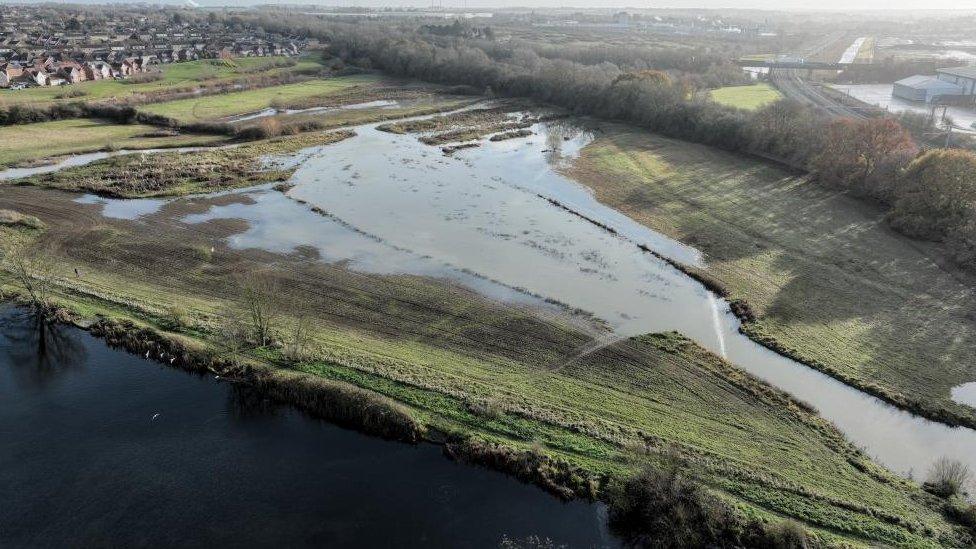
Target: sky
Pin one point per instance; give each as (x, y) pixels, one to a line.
(802, 5)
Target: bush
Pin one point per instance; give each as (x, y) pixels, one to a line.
(948, 477)
(962, 512)
(144, 77)
(71, 92)
(786, 534)
(933, 200)
(666, 509)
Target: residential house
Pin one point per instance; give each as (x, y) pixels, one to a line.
(9, 72)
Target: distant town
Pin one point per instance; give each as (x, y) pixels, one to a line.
(54, 51)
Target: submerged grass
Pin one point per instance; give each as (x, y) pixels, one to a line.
(174, 174)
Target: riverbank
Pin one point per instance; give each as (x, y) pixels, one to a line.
(204, 453)
(509, 374)
(828, 283)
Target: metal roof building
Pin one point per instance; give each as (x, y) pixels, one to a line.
(964, 77)
(925, 88)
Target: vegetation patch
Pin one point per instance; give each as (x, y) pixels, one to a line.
(11, 218)
(173, 174)
(515, 134)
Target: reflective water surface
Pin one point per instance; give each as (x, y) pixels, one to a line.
(101, 448)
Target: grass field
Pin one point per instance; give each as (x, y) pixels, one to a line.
(865, 54)
(175, 75)
(463, 365)
(746, 97)
(32, 142)
(825, 274)
(221, 106)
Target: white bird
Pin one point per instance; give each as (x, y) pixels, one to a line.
(147, 354)
(212, 249)
(172, 359)
(155, 416)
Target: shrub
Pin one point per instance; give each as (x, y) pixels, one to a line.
(664, 508)
(144, 77)
(72, 92)
(962, 512)
(786, 534)
(947, 477)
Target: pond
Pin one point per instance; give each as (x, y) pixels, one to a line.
(102, 448)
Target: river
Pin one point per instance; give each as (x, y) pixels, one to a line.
(102, 448)
(485, 217)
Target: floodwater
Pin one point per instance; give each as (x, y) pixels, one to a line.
(963, 118)
(488, 213)
(378, 104)
(100, 447)
(76, 160)
(965, 394)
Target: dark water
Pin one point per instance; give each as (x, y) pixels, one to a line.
(83, 463)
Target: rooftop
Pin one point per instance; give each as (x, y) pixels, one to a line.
(965, 72)
(920, 81)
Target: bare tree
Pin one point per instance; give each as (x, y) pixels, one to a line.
(300, 336)
(34, 268)
(233, 336)
(261, 301)
(948, 477)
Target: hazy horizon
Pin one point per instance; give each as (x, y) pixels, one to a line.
(766, 5)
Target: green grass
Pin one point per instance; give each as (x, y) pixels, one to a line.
(746, 97)
(221, 106)
(175, 75)
(440, 351)
(31, 142)
(826, 276)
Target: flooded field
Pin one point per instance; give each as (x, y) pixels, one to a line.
(176, 459)
(501, 219)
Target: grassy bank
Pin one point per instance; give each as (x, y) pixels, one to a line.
(215, 107)
(486, 375)
(175, 174)
(29, 143)
(829, 283)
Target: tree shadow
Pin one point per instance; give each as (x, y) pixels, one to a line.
(40, 351)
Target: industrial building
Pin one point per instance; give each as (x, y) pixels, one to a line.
(964, 77)
(924, 89)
